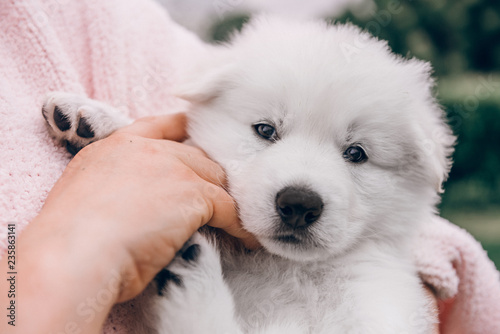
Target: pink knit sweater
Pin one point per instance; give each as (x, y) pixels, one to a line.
(130, 54)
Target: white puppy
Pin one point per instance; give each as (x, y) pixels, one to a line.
(335, 151)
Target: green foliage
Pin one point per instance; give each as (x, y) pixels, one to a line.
(475, 178)
(456, 36)
(222, 31)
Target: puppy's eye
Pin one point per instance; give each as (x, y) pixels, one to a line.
(266, 131)
(355, 154)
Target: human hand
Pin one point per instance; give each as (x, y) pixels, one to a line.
(151, 195)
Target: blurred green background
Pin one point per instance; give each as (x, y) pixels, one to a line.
(461, 39)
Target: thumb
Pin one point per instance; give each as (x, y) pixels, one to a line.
(225, 216)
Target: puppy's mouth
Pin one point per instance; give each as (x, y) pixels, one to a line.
(288, 239)
(291, 236)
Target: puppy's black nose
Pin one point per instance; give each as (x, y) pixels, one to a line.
(298, 207)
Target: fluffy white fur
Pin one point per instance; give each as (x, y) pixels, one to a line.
(324, 88)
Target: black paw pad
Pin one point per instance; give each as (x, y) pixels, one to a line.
(164, 277)
(84, 130)
(73, 149)
(191, 253)
(61, 120)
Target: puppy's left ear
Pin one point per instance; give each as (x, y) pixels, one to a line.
(204, 87)
(208, 79)
(439, 147)
(439, 143)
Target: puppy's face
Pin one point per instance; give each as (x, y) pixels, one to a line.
(322, 150)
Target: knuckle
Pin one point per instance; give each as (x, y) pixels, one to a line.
(184, 173)
(210, 190)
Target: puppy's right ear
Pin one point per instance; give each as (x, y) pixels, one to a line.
(205, 85)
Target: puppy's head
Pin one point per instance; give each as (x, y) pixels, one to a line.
(327, 138)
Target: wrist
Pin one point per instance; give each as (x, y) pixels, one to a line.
(50, 255)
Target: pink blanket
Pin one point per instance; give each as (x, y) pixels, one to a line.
(130, 54)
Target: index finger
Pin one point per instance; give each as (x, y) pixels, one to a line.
(170, 127)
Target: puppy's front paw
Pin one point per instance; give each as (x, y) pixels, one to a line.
(76, 121)
(195, 265)
(185, 261)
(192, 295)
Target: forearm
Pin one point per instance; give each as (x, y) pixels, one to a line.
(47, 259)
